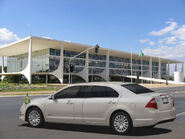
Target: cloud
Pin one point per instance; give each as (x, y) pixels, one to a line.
(67, 41)
(151, 43)
(147, 41)
(180, 33)
(161, 41)
(172, 45)
(167, 52)
(171, 27)
(7, 36)
(46, 37)
(143, 41)
(170, 40)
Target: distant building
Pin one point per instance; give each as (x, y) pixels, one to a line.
(47, 60)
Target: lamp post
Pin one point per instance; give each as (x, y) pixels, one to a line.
(71, 67)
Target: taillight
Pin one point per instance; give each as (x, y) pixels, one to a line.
(152, 104)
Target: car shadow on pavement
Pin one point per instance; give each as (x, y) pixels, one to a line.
(101, 129)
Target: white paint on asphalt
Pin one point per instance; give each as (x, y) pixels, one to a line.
(179, 114)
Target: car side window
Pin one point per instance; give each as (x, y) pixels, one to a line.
(70, 92)
(83, 92)
(109, 92)
(102, 91)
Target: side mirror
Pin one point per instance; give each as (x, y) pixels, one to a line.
(52, 97)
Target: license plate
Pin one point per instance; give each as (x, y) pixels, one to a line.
(165, 100)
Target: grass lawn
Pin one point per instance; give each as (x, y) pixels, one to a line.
(12, 87)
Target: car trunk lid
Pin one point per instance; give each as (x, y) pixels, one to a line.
(164, 101)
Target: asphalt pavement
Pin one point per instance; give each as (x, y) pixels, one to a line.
(11, 127)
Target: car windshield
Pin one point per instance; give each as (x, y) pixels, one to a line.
(137, 89)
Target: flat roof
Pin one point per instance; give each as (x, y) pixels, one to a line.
(39, 43)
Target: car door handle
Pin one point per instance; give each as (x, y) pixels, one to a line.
(69, 102)
(111, 102)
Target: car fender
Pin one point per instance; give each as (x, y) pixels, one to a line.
(128, 109)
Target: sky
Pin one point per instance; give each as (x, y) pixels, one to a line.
(157, 27)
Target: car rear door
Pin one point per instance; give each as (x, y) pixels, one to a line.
(99, 101)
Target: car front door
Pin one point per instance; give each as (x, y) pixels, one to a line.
(98, 103)
(61, 108)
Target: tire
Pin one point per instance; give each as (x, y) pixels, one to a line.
(35, 117)
(121, 123)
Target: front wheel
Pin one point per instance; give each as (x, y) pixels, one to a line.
(121, 123)
(34, 117)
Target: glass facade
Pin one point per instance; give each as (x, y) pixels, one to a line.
(163, 71)
(40, 62)
(17, 63)
(53, 63)
(48, 60)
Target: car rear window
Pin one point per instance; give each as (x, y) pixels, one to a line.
(137, 89)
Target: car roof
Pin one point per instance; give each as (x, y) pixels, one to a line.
(100, 83)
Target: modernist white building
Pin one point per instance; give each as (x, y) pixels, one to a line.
(35, 57)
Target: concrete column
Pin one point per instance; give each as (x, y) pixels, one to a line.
(87, 67)
(2, 69)
(59, 71)
(107, 65)
(131, 66)
(30, 61)
(27, 71)
(105, 73)
(85, 72)
(159, 69)
(141, 67)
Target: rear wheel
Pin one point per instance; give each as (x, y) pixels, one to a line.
(34, 117)
(121, 123)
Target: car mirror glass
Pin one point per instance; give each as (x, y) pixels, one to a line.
(52, 97)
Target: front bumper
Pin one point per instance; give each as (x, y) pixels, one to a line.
(23, 111)
(155, 117)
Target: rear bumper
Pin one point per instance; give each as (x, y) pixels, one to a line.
(166, 121)
(153, 117)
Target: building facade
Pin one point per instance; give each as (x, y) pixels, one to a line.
(37, 58)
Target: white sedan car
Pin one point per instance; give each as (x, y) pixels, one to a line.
(118, 105)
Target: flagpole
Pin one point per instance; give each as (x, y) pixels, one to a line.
(141, 69)
(131, 65)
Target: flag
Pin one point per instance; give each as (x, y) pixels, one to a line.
(27, 99)
(141, 54)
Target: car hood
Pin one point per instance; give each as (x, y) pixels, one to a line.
(36, 100)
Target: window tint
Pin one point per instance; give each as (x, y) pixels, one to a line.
(101, 91)
(109, 92)
(68, 92)
(83, 91)
(137, 89)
